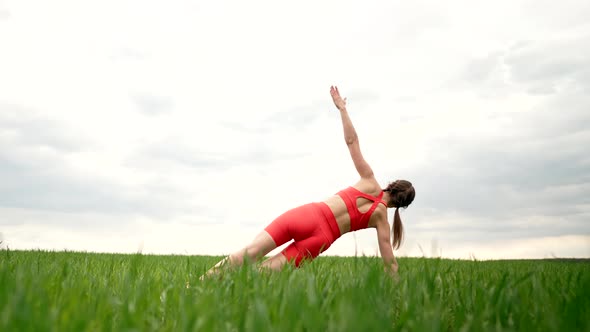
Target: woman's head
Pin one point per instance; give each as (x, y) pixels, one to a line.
(401, 195)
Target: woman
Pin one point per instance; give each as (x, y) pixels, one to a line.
(315, 226)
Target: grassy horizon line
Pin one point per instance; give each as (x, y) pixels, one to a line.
(581, 259)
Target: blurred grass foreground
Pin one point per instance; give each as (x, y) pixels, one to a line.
(72, 291)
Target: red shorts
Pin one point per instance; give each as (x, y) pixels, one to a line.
(312, 226)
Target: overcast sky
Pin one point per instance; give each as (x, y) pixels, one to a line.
(187, 126)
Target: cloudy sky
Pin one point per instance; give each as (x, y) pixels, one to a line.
(187, 126)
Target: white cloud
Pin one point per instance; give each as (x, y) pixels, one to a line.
(169, 118)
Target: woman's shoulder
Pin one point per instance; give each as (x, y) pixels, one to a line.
(368, 186)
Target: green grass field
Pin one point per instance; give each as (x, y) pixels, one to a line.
(69, 291)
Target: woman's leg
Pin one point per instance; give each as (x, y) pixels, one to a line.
(276, 262)
(299, 251)
(260, 246)
(298, 223)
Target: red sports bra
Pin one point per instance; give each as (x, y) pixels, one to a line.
(359, 220)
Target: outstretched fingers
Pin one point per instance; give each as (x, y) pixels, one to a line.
(334, 91)
(338, 100)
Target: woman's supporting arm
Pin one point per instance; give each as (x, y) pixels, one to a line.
(385, 248)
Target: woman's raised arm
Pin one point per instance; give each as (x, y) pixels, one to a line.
(350, 136)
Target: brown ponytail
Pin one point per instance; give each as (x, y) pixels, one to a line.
(397, 229)
(401, 194)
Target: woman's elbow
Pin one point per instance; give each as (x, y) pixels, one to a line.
(350, 140)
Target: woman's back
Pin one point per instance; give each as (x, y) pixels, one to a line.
(363, 197)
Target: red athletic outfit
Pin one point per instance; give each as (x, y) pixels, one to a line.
(314, 227)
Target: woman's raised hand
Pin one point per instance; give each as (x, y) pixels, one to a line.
(338, 101)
